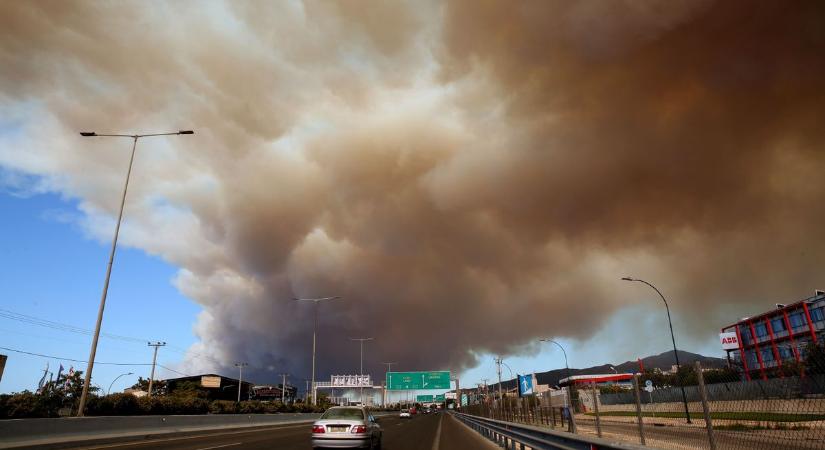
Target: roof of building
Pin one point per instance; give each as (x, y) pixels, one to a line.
(597, 378)
(785, 307)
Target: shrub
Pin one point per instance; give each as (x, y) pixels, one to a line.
(223, 407)
(113, 405)
(28, 404)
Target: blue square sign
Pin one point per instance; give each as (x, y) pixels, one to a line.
(525, 385)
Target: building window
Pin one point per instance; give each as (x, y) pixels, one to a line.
(785, 352)
(752, 359)
(797, 321)
(767, 354)
(778, 325)
(746, 335)
(761, 330)
(817, 315)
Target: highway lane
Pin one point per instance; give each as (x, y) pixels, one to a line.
(422, 432)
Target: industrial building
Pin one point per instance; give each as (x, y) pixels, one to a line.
(759, 345)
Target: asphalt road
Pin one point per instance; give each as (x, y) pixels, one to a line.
(423, 432)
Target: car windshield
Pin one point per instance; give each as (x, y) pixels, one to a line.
(343, 413)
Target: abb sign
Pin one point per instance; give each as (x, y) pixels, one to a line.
(729, 341)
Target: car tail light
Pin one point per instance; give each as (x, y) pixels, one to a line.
(317, 428)
(359, 429)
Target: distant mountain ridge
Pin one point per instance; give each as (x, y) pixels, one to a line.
(663, 361)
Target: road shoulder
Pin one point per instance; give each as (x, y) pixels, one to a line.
(456, 435)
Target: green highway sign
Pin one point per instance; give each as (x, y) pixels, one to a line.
(423, 398)
(440, 398)
(402, 381)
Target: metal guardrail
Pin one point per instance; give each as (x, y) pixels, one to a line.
(514, 436)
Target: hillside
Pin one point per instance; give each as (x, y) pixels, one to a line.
(662, 361)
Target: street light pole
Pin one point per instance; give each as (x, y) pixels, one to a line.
(361, 370)
(90, 365)
(386, 388)
(571, 384)
(240, 366)
(113, 381)
(283, 388)
(565, 357)
(315, 302)
(672, 338)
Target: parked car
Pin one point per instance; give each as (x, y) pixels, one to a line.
(346, 427)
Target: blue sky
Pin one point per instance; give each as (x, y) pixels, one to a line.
(51, 270)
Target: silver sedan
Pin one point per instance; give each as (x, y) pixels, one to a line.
(346, 427)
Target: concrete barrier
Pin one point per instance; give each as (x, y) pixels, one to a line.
(33, 432)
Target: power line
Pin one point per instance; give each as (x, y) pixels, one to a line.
(72, 359)
(25, 318)
(172, 370)
(61, 326)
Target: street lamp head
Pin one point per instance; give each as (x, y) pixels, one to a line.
(88, 133)
(186, 132)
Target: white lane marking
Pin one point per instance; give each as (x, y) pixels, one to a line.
(437, 440)
(221, 446)
(147, 442)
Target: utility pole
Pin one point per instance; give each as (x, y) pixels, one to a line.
(486, 394)
(361, 370)
(240, 366)
(306, 400)
(283, 388)
(457, 394)
(315, 302)
(154, 360)
(93, 351)
(386, 388)
(498, 367)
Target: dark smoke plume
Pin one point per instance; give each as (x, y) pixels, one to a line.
(442, 167)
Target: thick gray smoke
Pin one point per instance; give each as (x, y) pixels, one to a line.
(443, 167)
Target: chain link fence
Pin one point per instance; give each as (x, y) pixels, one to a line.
(696, 408)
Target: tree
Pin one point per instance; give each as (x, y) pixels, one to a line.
(68, 387)
(158, 386)
(815, 358)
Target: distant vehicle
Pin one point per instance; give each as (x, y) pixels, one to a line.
(413, 411)
(346, 427)
(405, 414)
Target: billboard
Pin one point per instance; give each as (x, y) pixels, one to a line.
(350, 381)
(210, 381)
(729, 341)
(2, 365)
(402, 381)
(525, 385)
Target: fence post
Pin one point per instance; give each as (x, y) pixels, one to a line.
(596, 410)
(639, 408)
(703, 394)
(571, 410)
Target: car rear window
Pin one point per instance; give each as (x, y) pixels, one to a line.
(343, 413)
